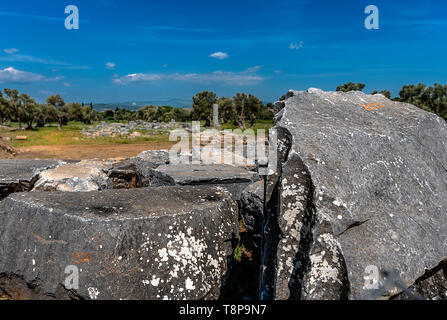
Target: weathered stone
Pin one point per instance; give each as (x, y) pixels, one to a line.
(19, 175)
(252, 206)
(128, 129)
(432, 286)
(146, 243)
(376, 193)
(235, 179)
(123, 174)
(86, 175)
(148, 160)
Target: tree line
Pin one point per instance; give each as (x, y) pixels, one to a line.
(240, 110)
(431, 99)
(25, 110)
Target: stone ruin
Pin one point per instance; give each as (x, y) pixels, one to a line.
(356, 209)
(132, 129)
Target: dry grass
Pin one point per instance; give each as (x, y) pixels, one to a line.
(70, 143)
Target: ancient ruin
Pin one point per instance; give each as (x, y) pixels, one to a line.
(356, 209)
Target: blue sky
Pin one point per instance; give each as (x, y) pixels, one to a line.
(145, 50)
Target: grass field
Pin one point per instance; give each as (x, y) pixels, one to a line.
(70, 135)
(70, 143)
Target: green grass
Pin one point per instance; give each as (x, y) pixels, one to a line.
(260, 124)
(71, 135)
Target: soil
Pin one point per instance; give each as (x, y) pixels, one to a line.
(6, 152)
(78, 152)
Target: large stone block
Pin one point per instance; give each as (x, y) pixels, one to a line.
(145, 243)
(86, 175)
(364, 187)
(123, 174)
(18, 175)
(235, 179)
(148, 160)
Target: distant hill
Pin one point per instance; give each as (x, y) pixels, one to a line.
(135, 105)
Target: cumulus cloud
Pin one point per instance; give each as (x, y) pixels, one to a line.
(137, 77)
(232, 78)
(111, 65)
(13, 75)
(219, 55)
(11, 50)
(66, 84)
(296, 45)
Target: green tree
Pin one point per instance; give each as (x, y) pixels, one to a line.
(164, 114)
(58, 103)
(253, 109)
(350, 86)
(416, 94)
(45, 114)
(124, 114)
(240, 102)
(28, 110)
(202, 106)
(266, 112)
(181, 115)
(147, 113)
(4, 109)
(247, 108)
(88, 114)
(227, 110)
(432, 99)
(386, 93)
(74, 111)
(12, 98)
(438, 99)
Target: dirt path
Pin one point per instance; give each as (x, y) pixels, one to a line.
(77, 152)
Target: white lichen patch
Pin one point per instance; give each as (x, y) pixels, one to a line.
(155, 281)
(189, 284)
(324, 264)
(93, 293)
(163, 253)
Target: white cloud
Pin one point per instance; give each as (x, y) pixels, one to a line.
(13, 57)
(111, 65)
(11, 50)
(219, 55)
(66, 84)
(253, 69)
(165, 65)
(277, 71)
(137, 77)
(232, 78)
(13, 75)
(296, 45)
